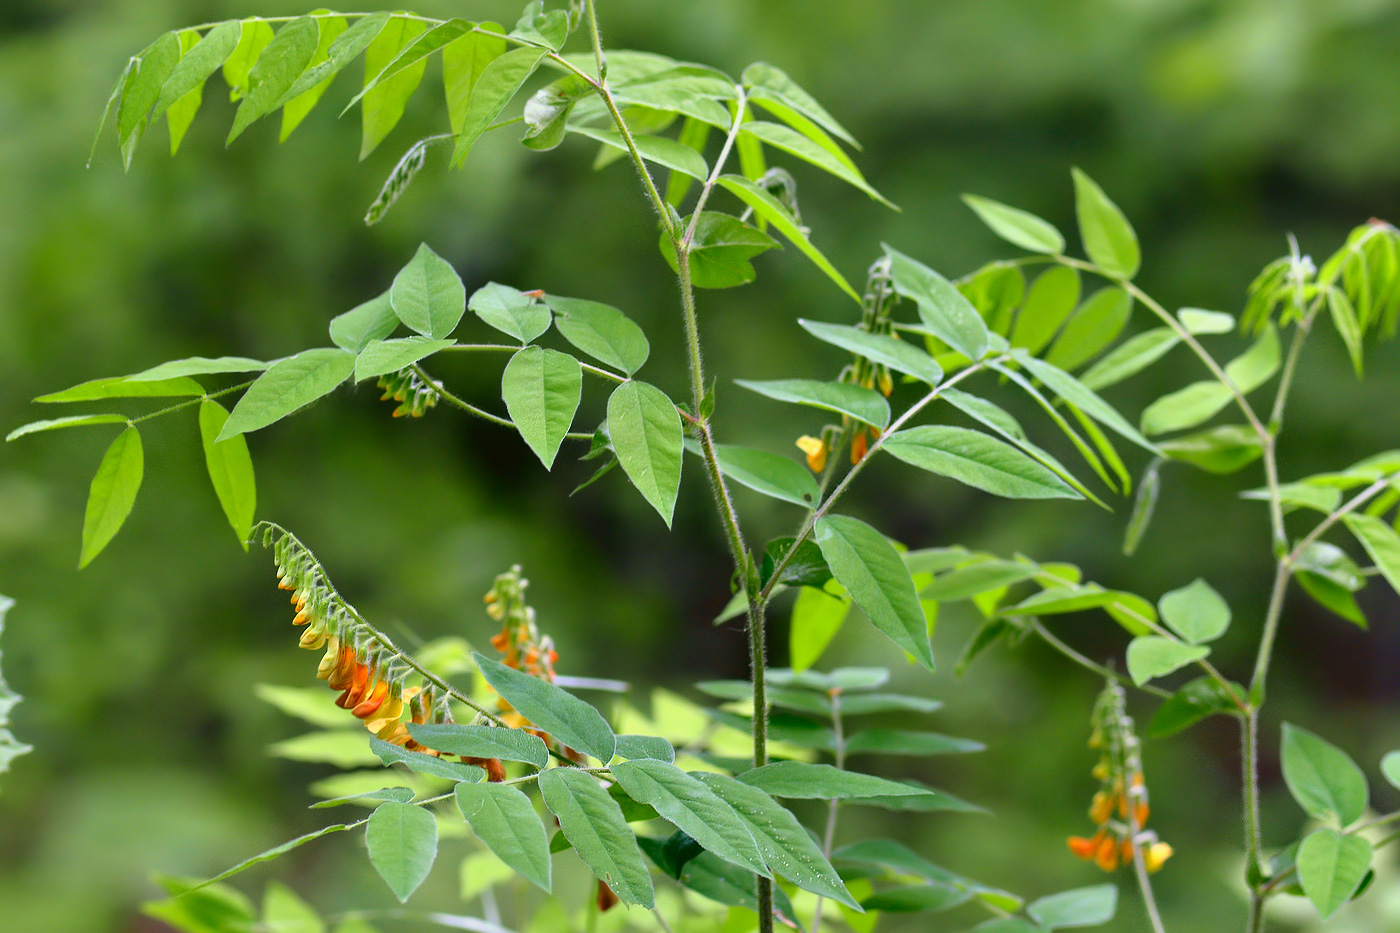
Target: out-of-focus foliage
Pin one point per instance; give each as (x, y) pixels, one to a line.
(1217, 126)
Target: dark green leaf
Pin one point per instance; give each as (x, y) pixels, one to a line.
(917, 898)
(645, 746)
(860, 403)
(483, 742)
(425, 764)
(503, 818)
(898, 355)
(593, 822)
(1195, 701)
(112, 494)
(1332, 596)
(797, 779)
(870, 569)
(771, 474)
(905, 742)
(561, 714)
(806, 567)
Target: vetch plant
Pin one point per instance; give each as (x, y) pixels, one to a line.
(665, 813)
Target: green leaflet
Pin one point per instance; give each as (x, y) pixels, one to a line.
(112, 494)
(1323, 779)
(1380, 541)
(425, 764)
(775, 81)
(719, 251)
(692, 807)
(666, 152)
(645, 746)
(601, 331)
(980, 461)
(1130, 357)
(287, 386)
(1077, 394)
(1331, 868)
(786, 847)
(197, 64)
(361, 325)
(122, 387)
(906, 742)
(1195, 612)
(771, 210)
(497, 83)
(869, 567)
(463, 61)
(296, 107)
(898, 355)
(341, 52)
(795, 143)
(1017, 227)
(917, 898)
(140, 89)
(230, 470)
(381, 108)
(182, 112)
(816, 618)
(390, 356)
(510, 311)
(504, 819)
(1049, 302)
(593, 822)
(198, 366)
(281, 62)
(1151, 656)
(413, 54)
(941, 306)
(541, 389)
(252, 39)
(71, 421)
(1108, 237)
(646, 434)
(771, 474)
(860, 403)
(483, 742)
(798, 779)
(428, 295)
(1081, 907)
(402, 840)
(1097, 323)
(284, 911)
(1195, 701)
(561, 714)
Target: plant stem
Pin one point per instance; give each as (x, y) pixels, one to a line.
(833, 805)
(179, 406)
(1039, 628)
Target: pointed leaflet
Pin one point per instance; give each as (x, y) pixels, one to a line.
(869, 567)
(428, 295)
(497, 84)
(72, 421)
(798, 779)
(357, 328)
(295, 107)
(1196, 700)
(665, 152)
(1322, 778)
(1018, 227)
(1152, 656)
(561, 714)
(1095, 325)
(198, 366)
(646, 434)
(941, 306)
(645, 746)
(140, 89)
(1130, 357)
(692, 807)
(857, 401)
(765, 472)
(463, 61)
(1076, 393)
(181, 114)
(897, 354)
(291, 383)
(816, 618)
(776, 82)
(593, 822)
(402, 840)
(272, 75)
(770, 209)
(1195, 612)
(413, 54)
(980, 461)
(1381, 542)
(197, 64)
(483, 742)
(381, 108)
(390, 356)
(391, 754)
(120, 387)
(1049, 302)
(905, 742)
(342, 51)
(1108, 237)
(1081, 907)
(719, 251)
(787, 848)
(112, 494)
(1331, 867)
(252, 39)
(503, 818)
(230, 470)
(601, 331)
(792, 142)
(510, 311)
(541, 389)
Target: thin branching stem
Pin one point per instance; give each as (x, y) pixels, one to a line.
(1105, 672)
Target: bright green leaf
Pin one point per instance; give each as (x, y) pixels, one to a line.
(510, 311)
(112, 494)
(503, 818)
(483, 742)
(593, 822)
(942, 307)
(1018, 227)
(287, 386)
(1081, 907)
(860, 403)
(389, 356)
(1322, 778)
(646, 434)
(980, 461)
(1152, 656)
(1195, 612)
(1331, 868)
(428, 295)
(230, 470)
(601, 331)
(1108, 237)
(497, 83)
(402, 840)
(541, 389)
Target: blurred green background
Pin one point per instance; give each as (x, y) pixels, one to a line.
(1218, 125)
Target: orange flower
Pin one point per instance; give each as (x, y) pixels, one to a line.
(1083, 848)
(815, 449)
(1107, 856)
(858, 446)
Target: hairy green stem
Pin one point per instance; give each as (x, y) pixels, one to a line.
(180, 406)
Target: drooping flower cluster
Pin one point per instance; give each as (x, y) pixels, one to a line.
(879, 301)
(1120, 806)
(407, 388)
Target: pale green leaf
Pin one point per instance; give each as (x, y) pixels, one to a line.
(1018, 227)
(112, 494)
(382, 108)
(773, 475)
(816, 618)
(1195, 612)
(357, 328)
(390, 356)
(601, 331)
(1095, 325)
(497, 83)
(120, 387)
(483, 742)
(1322, 778)
(402, 840)
(428, 295)
(1331, 868)
(1108, 237)
(979, 461)
(798, 779)
(230, 470)
(1381, 542)
(897, 354)
(1081, 907)
(197, 64)
(1049, 302)
(463, 61)
(72, 421)
(1151, 656)
(296, 107)
(280, 64)
(510, 311)
(860, 403)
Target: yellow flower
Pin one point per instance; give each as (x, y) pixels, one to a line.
(815, 449)
(1156, 855)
